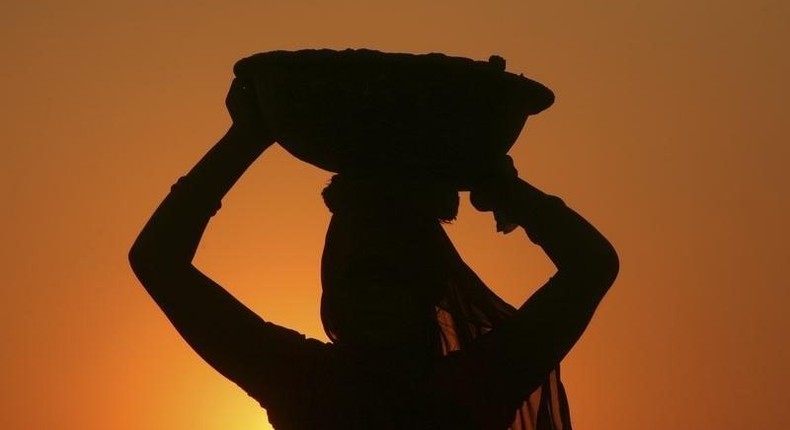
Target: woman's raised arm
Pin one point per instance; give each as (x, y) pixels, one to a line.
(553, 319)
(217, 326)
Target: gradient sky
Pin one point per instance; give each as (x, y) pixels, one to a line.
(669, 134)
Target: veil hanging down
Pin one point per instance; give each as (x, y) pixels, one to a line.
(465, 307)
(470, 309)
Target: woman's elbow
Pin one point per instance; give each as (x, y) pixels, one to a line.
(606, 266)
(142, 252)
(611, 265)
(149, 262)
(142, 262)
(597, 268)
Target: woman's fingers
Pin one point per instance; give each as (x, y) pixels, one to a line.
(242, 104)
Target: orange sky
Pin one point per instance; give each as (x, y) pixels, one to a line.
(669, 133)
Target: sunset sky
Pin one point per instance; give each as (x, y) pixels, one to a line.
(669, 133)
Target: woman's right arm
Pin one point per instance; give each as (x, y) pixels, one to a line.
(224, 332)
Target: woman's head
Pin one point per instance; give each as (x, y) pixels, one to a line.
(385, 263)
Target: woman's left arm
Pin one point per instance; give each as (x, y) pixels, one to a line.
(551, 321)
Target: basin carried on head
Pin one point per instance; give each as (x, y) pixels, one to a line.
(364, 111)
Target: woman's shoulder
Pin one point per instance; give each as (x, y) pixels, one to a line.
(294, 345)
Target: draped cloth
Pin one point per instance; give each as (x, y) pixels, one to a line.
(469, 309)
(465, 308)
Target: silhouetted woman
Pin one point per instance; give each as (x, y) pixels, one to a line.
(417, 340)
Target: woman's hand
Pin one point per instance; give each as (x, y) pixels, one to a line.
(248, 122)
(491, 188)
(490, 183)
